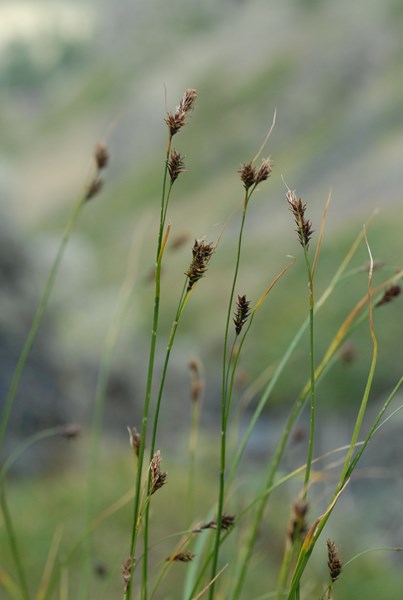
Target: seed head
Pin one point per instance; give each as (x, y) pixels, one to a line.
(304, 226)
(227, 521)
(177, 120)
(175, 165)
(389, 295)
(158, 477)
(181, 557)
(101, 155)
(241, 314)
(333, 561)
(265, 171)
(247, 173)
(202, 253)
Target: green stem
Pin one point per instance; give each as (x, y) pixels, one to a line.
(182, 303)
(224, 403)
(143, 434)
(312, 374)
(8, 406)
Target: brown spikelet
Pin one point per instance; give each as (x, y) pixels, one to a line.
(304, 226)
(135, 439)
(265, 171)
(202, 252)
(227, 521)
(333, 561)
(297, 528)
(181, 557)
(177, 120)
(101, 155)
(175, 165)
(247, 173)
(158, 477)
(127, 571)
(241, 314)
(390, 294)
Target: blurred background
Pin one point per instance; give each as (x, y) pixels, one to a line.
(75, 73)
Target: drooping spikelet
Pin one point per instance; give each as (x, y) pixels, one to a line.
(177, 120)
(181, 557)
(304, 226)
(333, 561)
(227, 521)
(202, 252)
(241, 314)
(390, 294)
(175, 165)
(158, 477)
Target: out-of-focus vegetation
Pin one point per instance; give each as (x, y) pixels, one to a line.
(73, 73)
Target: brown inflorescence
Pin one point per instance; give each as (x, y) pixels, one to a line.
(333, 561)
(196, 380)
(175, 165)
(181, 557)
(177, 120)
(158, 477)
(304, 226)
(251, 177)
(227, 521)
(241, 314)
(390, 294)
(202, 252)
(101, 155)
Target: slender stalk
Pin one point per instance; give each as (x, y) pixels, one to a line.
(182, 303)
(224, 402)
(312, 374)
(143, 434)
(8, 406)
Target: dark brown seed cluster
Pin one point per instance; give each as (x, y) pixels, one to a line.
(241, 314)
(252, 177)
(175, 165)
(202, 252)
(101, 157)
(177, 120)
(227, 521)
(158, 477)
(304, 226)
(181, 557)
(390, 294)
(297, 528)
(127, 572)
(135, 439)
(333, 561)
